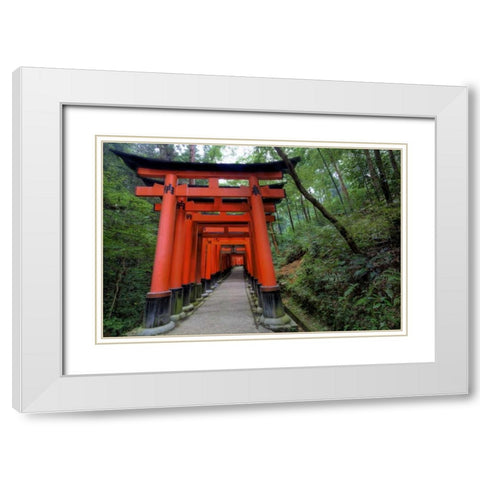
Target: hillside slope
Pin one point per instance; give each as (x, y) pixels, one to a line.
(333, 289)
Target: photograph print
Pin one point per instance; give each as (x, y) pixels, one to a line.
(226, 239)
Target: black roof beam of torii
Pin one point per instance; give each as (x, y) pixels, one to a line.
(137, 161)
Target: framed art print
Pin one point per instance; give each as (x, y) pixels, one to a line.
(194, 240)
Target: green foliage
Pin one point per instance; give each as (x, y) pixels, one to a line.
(342, 291)
(129, 237)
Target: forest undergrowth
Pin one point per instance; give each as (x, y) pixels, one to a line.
(332, 289)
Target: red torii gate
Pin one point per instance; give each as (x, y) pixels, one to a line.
(188, 258)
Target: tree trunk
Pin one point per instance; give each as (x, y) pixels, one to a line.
(383, 178)
(373, 174)
(289, 213)
(333, 180)
(340, 228)
(274, 239)
(120, 275)
(342, 183)
(296, 211)
(394, 164)
(366, 177)
(279, 225)
(305, 212)
(367, 190)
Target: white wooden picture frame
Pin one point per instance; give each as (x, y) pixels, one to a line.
(39, 382)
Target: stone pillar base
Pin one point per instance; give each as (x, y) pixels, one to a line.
(208, 285)
(282, 324)
(178, 316)
(177, 300)
(198, 288)
(274, 316)
(271, 301)
(157, 330)
(188, 297)
(157, 309)
(259, 295)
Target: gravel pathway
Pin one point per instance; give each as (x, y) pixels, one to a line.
(225, 311)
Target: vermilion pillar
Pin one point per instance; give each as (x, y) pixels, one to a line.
(188, 258)
(248, 253)
(208, 266)
(157, 308)
(256, 276)
(215, 258)
(202, 260)
(255, 257)
(200, 264)
(195, 275)
(177, 262)
(273, 316)
(261, 239)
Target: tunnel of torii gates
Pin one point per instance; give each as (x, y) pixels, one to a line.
(205, 230)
